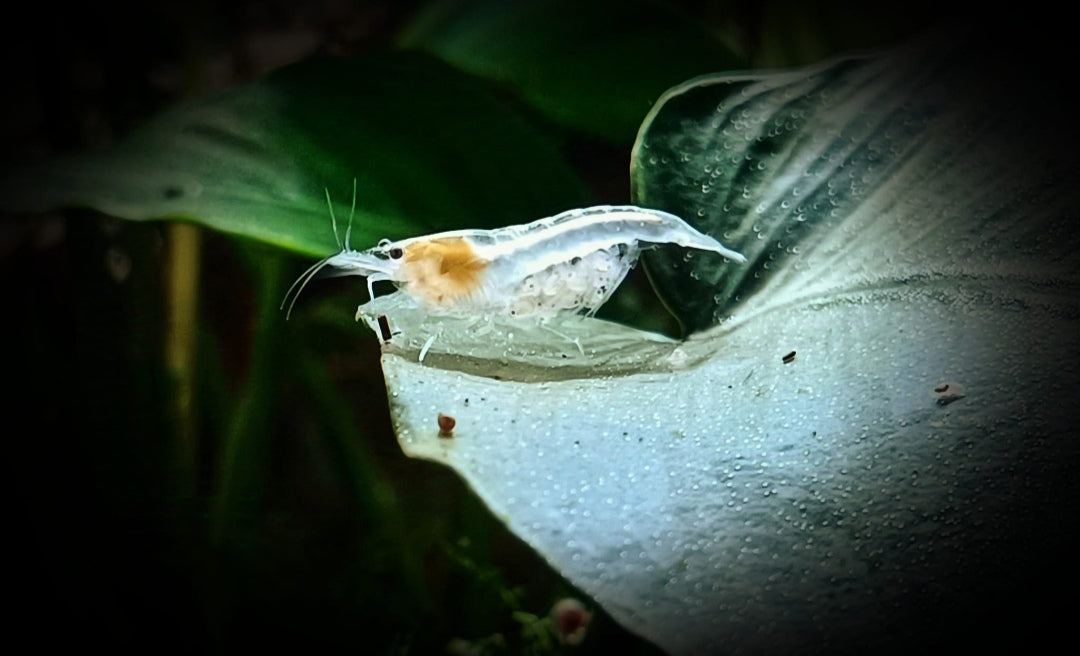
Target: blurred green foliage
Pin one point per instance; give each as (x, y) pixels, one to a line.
(294, 520)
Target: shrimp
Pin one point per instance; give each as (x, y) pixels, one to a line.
(568, 263)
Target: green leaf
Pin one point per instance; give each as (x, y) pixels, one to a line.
(593, 66)
(429, 147)
(780, 166)
(890, 482)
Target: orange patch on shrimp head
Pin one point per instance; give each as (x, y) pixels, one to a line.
(441, 271)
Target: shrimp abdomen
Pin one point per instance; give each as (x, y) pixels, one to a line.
(539, 245)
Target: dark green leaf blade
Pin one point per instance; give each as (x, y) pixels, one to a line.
(430, 148)
(593, 66)
(783, 166)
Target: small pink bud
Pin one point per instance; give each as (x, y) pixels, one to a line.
(571, 620)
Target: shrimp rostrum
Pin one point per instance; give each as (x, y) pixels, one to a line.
(571, 262)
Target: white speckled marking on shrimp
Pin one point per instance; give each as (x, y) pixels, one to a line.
(570, 262)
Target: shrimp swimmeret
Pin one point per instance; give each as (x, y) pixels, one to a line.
(570, 262)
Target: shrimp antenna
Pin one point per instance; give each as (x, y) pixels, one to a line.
(352, 210)
(333, 221)
(299, 285)
(314, 269)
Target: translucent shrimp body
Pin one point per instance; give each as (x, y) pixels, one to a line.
(571, 262)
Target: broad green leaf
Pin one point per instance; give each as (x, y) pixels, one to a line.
(430, 148)
(593, 66)
(774, 165)
(778, 166)
(915, 253)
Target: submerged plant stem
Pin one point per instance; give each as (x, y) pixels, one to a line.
(242, 463)
(182, 285)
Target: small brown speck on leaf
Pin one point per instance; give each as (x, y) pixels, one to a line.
(946, 393)
(446, 425)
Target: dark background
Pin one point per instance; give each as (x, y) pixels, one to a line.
(106, 553)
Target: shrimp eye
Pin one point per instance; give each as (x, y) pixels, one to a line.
(395, 253)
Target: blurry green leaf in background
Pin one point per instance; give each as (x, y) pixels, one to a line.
(428, 146)
(591, 66)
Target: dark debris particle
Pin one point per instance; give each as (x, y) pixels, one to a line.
(384, 328)
(789, 358)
